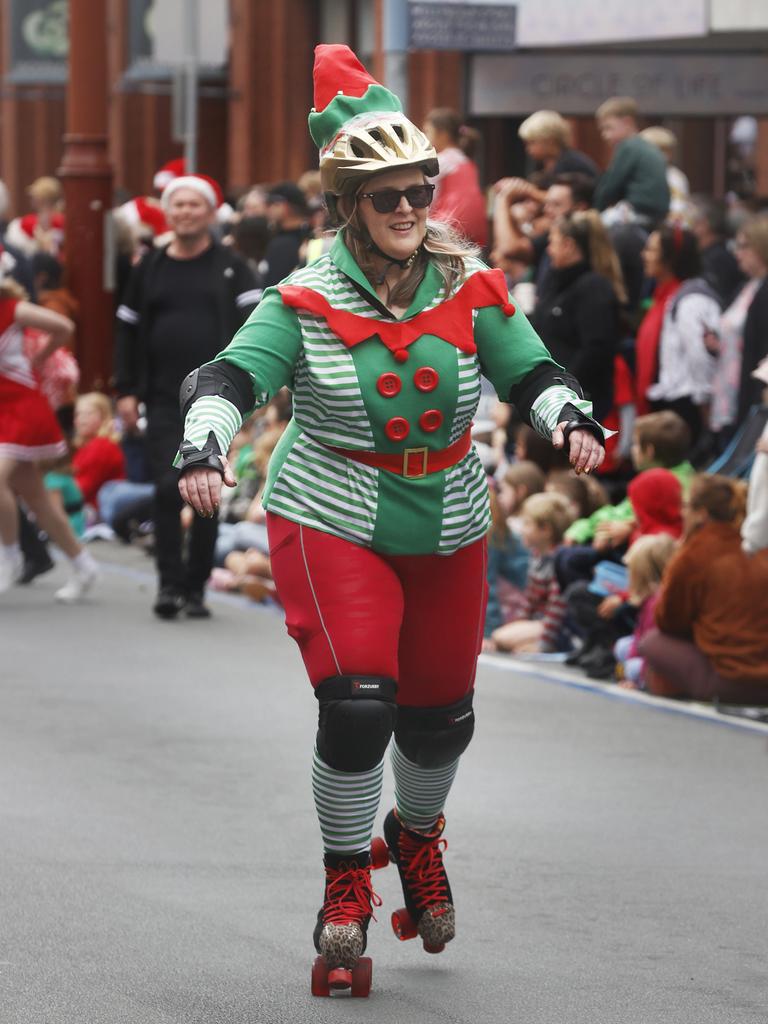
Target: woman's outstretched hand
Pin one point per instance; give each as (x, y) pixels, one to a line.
(585, 451)
(201, 488)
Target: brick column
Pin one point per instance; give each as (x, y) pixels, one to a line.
(87, 178)
(435, 79)
(270, 90)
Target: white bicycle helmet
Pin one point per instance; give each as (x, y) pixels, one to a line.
(371, 143)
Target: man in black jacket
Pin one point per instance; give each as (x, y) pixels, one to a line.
(288, 215)
(719, 265)
(181, 306)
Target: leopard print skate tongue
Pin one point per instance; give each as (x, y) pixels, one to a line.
(437, 925)
(341, 945)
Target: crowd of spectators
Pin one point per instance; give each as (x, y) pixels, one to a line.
(652, 575)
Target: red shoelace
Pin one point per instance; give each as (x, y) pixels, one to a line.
(349, 895)
(423, 868)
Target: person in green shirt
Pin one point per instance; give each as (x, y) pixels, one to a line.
(62, 486)
(660, 440)
(377, 503)
(634, 187)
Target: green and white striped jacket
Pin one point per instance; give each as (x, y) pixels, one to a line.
(339, 401)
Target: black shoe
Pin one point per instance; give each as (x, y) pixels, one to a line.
(169, 603)
(35, 567)
(575, 656)
(195, 608)
(581, 657)
(597, 652)
(603, 668)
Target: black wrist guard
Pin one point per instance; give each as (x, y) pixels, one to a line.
(206, 457)
(575, 419)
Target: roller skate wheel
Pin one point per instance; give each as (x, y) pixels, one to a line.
(320, 977)
(434, 949)
(339, 978)
(362, 973)
(403, 925)
(379, 854)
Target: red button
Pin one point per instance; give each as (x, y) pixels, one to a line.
(426, 379)
(431, 420)
(397, 429)
(389, 385)
(402, 355)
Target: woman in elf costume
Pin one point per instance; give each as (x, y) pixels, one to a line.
(377, 503)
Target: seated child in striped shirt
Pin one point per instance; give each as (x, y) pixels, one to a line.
(545, 518)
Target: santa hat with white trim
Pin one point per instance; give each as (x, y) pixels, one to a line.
(169, 171)
(146, 211)
(205, 186)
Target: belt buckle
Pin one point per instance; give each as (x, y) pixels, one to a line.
(424, 453)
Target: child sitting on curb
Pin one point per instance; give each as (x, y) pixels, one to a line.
(661, 440)
(507, 555)
(646, 561)
(545, 518)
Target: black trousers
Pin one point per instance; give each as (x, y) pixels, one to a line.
(184, 567)
(582, 614)
(578, 561)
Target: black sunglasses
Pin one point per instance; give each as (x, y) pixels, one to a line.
(388, 199)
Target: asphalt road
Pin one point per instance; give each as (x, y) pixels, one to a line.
(160, 862)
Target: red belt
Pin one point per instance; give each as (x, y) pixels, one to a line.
(413, 463)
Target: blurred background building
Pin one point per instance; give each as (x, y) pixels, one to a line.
(697, 66)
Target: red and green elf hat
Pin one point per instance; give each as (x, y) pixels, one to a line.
(359, 124)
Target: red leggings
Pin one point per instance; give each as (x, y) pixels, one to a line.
(417, 619)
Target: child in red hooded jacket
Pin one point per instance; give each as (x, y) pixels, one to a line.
(601, 614)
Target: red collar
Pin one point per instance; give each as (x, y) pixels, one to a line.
(451, 320)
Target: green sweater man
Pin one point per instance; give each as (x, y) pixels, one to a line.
(637, 173)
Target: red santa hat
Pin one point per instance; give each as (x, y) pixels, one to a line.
(29, 222)
(173, 169)
(207, 187)
(144, 210)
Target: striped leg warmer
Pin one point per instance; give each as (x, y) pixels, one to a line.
(346, 804)
(420, 793)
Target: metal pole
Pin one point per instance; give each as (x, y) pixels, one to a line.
(191, 52)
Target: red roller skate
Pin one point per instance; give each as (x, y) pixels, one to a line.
(428, 910)
(341, 932)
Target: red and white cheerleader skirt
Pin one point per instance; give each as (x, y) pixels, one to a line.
(29, 430)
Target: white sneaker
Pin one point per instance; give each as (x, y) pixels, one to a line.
(10, 571)
(79, 584)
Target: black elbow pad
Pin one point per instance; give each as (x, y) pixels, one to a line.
(222, 379)
(523, 394)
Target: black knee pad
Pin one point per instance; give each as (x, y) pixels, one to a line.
(432, 737)
(355, 722)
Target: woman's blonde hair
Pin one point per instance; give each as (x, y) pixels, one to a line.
(104, 407)
(543, 125)
(445, 248)
(661, 138)
(588, 232)
(646, 561)
(755, 231)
